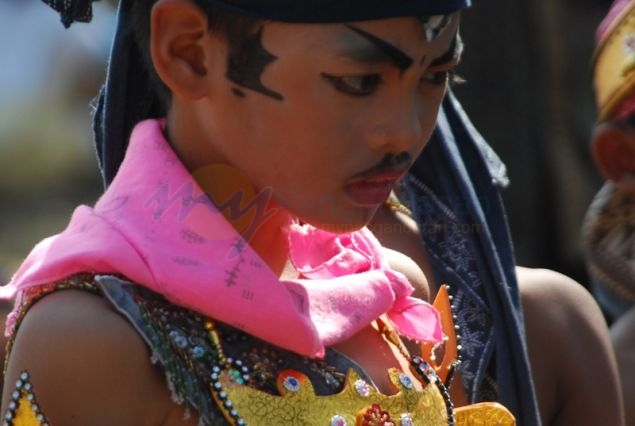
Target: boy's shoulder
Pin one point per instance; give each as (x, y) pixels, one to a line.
(81, 356)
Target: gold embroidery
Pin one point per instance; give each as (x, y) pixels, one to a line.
(299, 405)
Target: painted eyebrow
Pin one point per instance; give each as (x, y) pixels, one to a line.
(453, 52)
(379, 51)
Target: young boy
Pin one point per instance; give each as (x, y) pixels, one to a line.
(288, 118)
(608, 232)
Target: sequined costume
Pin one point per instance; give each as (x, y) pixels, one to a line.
(234, 378)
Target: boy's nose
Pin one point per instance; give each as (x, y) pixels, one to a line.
(397, 129)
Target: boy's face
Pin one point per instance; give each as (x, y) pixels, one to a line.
(328, 116)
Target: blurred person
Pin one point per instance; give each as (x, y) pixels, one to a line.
(609, 228)
(272, 320)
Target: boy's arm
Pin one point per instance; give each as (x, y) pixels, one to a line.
(572, 359)
(623, 338)
(86, 365)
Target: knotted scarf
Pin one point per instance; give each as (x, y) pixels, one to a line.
(345, 281)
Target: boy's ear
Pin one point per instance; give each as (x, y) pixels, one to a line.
(613, 150)
(178, 40)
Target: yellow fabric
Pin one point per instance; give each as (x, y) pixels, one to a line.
(24, 414)
(484, 414)
(614, 76)
(304, 407)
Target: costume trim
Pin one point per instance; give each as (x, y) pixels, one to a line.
(23, 409)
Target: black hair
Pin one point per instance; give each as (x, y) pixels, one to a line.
(233, 27)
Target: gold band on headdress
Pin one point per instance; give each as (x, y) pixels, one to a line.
(614, 75)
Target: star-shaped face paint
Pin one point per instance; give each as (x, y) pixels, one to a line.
(432, 25)
(246, 65)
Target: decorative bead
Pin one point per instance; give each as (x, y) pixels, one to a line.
(362, 388)
(406, 381)
(291, 384)
(406, 420)
(338, 420)
(198, 352)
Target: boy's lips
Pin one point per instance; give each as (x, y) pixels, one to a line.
(372, 190)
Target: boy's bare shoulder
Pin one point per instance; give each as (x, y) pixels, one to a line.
(569, 350)
(86, 363)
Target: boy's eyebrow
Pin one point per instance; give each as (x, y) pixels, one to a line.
(377, 52)
(453, 52)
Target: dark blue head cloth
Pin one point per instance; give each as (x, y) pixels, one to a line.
(128, 96)
(453, 190)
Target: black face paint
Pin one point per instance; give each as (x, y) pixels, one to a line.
(246, 65)
(389, 163)
(400, 59)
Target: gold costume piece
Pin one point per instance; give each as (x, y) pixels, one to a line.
(359, 403)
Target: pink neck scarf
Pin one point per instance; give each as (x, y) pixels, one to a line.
(137, 229)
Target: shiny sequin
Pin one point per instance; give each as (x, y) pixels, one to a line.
(406, 381)
(291, 384)
(362, 388)
(406, 420)
(338, 420)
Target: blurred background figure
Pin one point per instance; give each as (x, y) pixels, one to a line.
(609, 228)
(48, 76)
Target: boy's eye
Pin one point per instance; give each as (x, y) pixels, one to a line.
(361, 85)
(439, 78)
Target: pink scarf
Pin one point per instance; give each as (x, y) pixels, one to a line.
(345, 281)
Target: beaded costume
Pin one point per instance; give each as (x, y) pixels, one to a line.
(228, 377)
